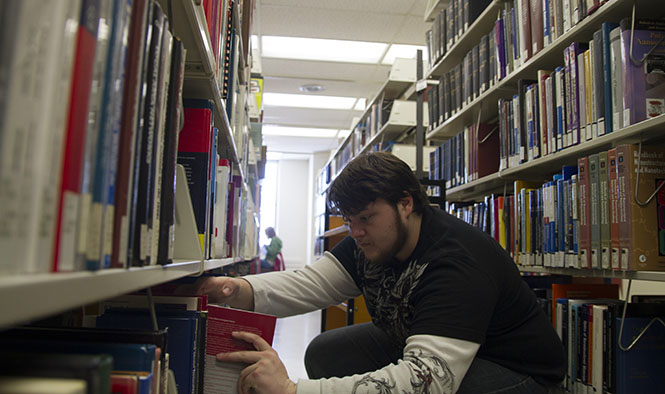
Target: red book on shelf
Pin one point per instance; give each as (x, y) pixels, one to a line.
(70, 187)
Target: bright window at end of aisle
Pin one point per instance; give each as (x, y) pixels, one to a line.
(268, 200)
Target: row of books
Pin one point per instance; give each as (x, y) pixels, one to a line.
(122, 351)
(588, 319)
(92, 185)
(586, 217)
(463, 82)
(450, 24)
(83, 181)
(586, 98)
(469, 155)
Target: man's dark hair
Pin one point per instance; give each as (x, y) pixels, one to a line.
(372, 176)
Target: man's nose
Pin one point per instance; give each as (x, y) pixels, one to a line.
(356, 230)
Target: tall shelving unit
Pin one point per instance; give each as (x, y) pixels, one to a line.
(484, 109)
(26, 297)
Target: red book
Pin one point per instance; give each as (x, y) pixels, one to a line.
(584, 213)
(70, 187)
(221, 323)
(582, 291)
(487, 150)
(124, 384)
(129, 123)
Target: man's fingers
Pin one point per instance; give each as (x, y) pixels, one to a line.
(247, 357)
(259, 343)
(245, 381)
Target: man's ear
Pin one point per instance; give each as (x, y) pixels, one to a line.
(406, 203)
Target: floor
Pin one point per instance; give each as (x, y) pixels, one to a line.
(292, 334)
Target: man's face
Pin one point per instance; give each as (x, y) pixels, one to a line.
(379, 230)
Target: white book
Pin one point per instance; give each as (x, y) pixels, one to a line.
(31, 144)
(549, 102)
(221, 207)
(582, 94)
(617, 78)
(567, 15)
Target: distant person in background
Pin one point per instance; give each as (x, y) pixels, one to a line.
(268, 263)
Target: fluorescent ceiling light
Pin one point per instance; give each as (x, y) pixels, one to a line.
(304, 132)
(321, 49)
(360, 104)
(307, 101)
(405, 51)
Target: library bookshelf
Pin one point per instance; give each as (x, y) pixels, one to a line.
(32, 296)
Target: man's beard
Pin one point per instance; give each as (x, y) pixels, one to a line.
(389, 255)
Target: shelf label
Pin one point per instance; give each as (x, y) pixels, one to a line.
(421, 85)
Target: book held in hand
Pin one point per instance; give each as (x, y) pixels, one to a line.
(222, 377)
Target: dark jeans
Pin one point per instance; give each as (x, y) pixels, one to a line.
(267, 266)
(364, 348)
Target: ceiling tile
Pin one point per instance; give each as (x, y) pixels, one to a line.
(332, 88)
(373, 6)
(364, 73)
(299, 144)
(326, 118)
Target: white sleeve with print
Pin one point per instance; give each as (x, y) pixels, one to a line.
(287, 293)
(431, 364)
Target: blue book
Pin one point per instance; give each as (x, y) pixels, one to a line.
(560, 102)
(183, 348)
(640, 370)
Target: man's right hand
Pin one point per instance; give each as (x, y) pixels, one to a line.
(235, 292)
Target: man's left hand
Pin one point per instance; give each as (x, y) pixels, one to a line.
(266, 374)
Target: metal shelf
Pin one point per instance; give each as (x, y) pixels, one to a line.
(598, 273)
(34, 296)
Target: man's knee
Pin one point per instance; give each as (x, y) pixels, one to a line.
(317, 353)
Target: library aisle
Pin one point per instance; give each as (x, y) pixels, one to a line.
(292, 335)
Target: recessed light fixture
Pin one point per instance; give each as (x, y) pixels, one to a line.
(312, 88)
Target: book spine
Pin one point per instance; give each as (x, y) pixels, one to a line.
(560, 102)
(614, 209)
(604, 214)
(536, 9)
(584, 213)
(594, 205)
(68, 206)
(607, 75)
(616, 78)
(623, 178)
(599, 83)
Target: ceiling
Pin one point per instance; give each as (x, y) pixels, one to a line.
(386, 21)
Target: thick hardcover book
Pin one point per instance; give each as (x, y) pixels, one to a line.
(543, 108)
(475, 72)
(129, 130)
(500, 49)
(174, 121)
(560, 102)
(574, 50)
(594, 205)
(638, 370)
(184, 328)
(643, 81)
(603, 176)
(223, 376)
(598, 83)
(194, 154)
(606, 28)
(95, 152)
(584, 212)
(642, 237)
(68, 201)
(613, 188)
(141, 237)
(157, 169)
(526, 45)
(616, 70)
(536, 9)
(223, 175)
(521, 119)
(483, 64)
